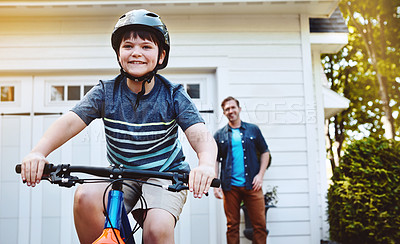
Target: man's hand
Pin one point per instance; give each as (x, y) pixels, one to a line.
(258, 179)
(257, 182)
(218, 193)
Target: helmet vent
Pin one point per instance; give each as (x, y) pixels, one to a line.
(152, 15)
(123, 16)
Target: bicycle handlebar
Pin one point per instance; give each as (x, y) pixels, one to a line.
(113, 173)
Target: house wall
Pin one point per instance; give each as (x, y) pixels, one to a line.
(264, 61)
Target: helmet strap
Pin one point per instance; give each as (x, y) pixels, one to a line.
(139, 95)
(144, 79)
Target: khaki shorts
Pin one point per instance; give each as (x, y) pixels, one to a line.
(155, 197)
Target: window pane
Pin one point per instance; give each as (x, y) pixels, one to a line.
(193, 90)
(57, 93)
(74, 93)
(86, 89)
(7, 94)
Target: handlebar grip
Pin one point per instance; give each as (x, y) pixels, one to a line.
(216, 183)
(18, 168)
(48, 168)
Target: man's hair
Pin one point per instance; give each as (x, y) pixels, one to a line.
(229, 99)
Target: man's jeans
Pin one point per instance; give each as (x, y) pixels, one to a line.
(255, 204)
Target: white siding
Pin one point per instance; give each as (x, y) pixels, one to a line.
(56, 44)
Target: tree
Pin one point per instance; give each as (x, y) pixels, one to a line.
(372, 85)
(377, 23)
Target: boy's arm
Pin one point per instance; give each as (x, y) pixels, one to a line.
(63, 129)
(204, 145)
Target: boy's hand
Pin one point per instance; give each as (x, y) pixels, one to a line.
(32, 167)
(200, 179)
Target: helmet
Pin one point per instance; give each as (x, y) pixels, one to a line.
(142, 19)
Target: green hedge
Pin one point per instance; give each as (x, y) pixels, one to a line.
(364, 200)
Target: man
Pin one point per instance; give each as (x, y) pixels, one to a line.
(242, 172)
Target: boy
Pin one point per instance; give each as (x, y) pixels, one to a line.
(141, 112)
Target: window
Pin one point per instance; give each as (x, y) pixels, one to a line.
(86, 89)
(57, 93)
(74, 93)
(7, 93)
(63, 93)
(193, 90)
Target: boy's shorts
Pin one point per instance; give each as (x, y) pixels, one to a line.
(155, 197)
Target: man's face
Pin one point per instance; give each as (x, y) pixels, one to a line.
(231, 111)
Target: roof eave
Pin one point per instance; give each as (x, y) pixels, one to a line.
(333, 103)
(329, 42)
(314, 8)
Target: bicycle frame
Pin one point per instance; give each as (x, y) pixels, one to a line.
(117, 226)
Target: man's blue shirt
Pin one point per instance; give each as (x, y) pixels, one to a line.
(253, 145)
(238, 171)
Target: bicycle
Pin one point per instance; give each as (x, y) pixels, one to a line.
(117, 228)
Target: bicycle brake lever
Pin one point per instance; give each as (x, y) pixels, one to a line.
(61, 176)
(65, 181)
(179, 186)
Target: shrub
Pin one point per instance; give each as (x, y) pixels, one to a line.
(364, 200)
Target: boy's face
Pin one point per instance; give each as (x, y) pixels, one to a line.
(139, 57)
(232, 111)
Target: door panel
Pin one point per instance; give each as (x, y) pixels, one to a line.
(15, 124)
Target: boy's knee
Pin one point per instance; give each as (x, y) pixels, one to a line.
(159, 230)
(83, 198)
(158, 233)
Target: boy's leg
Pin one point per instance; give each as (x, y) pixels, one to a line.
(159, 227)
(89, 212)
(163, 209)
